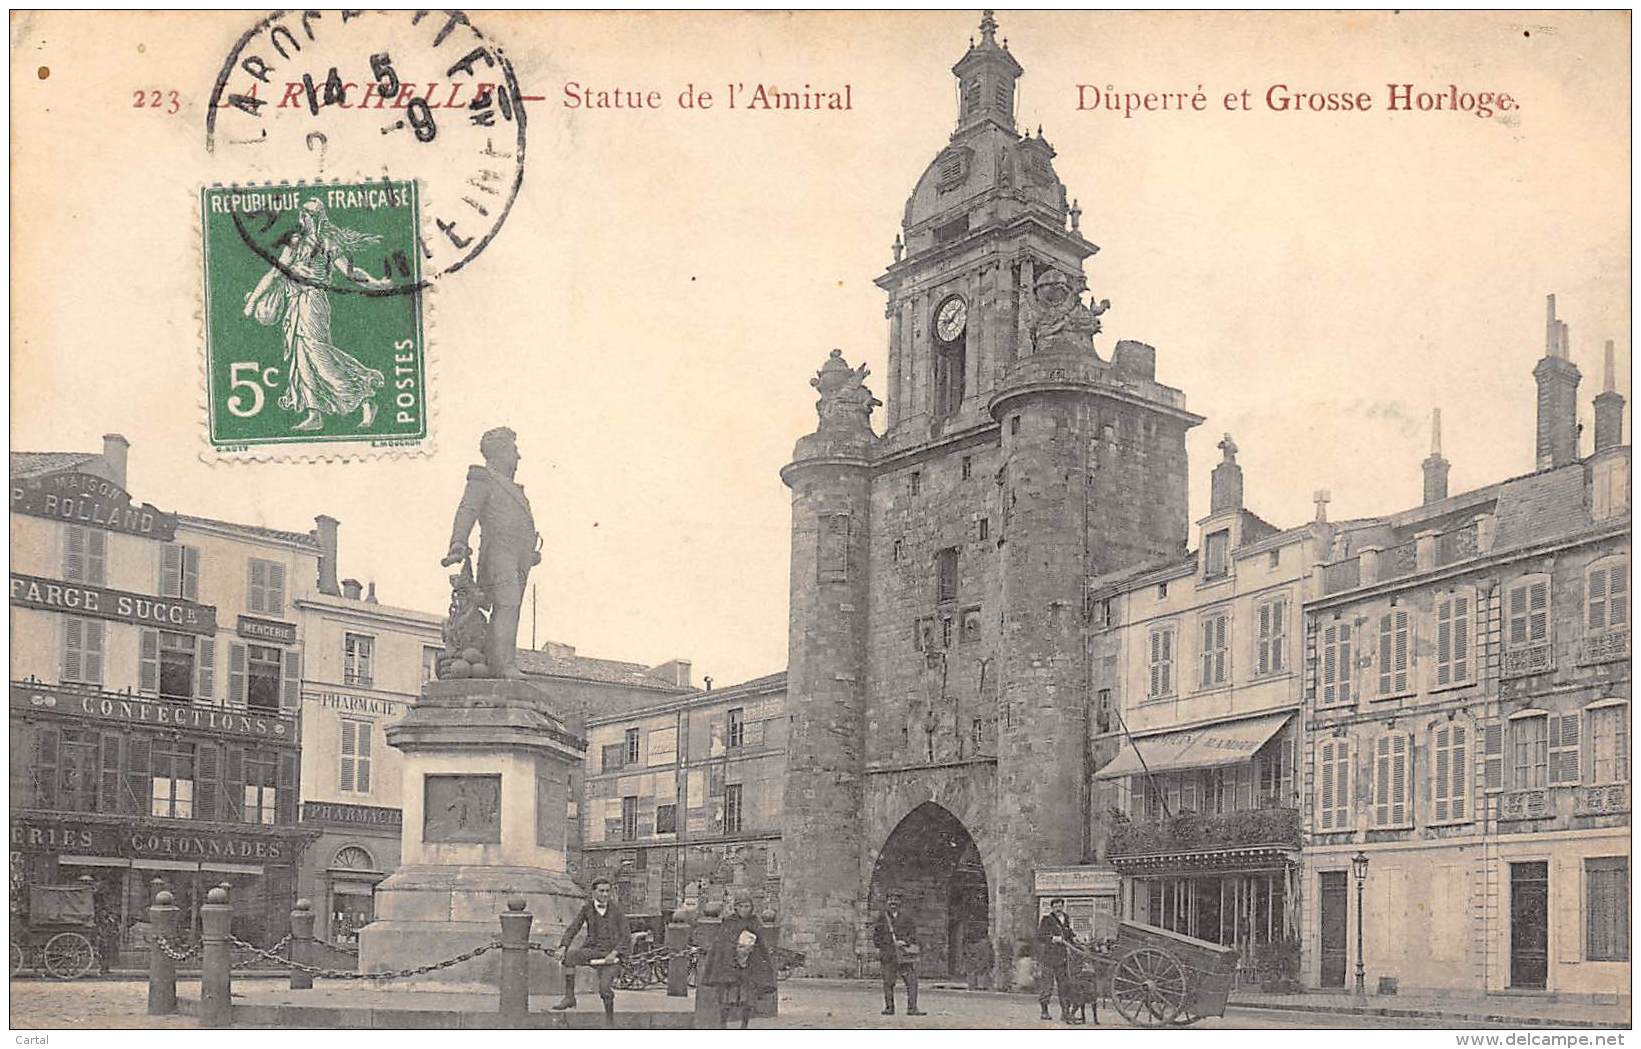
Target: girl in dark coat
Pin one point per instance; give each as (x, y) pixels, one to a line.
(738, 964)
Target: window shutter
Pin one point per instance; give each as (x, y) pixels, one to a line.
(285, 803)
(207, 671)
(93, 654)
(1167, 662)
(73, 647)
(1492, 748)
(1440, 785)
(233, 784)
(1385, 653)
(74, 553)
(344, 779)
(1341, 790)
(1444, 641)
(108, 797)
(1518, 614)
(1598, 599)
(1459, 794)
(1330, 664)
(45, 767)
(259, 586)
(1564, 749)
(1156, 662)
(137, 784)
(1402, 653)
(236, 673)
(148, 661)
(1325, 762)
(1207, 651)
(1461, 638)
(1381, 780)
(206, 791)
(96, 557)
(1618, 585)
(276, 588)
(171, 570)
(290, 685)
(1401, 777)
(1538, 611)
(190, 573)
(363, 774)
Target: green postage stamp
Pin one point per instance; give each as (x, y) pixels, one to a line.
(314, 341)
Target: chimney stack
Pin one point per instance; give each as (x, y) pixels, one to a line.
(324, 533)
(1609, 407)
(1557, 378)
(370, 593)
(1226, 483)
(352, 589)
(115, 451)
(1435, 467)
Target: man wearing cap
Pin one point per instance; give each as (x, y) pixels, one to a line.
(1054, 932)
(896, 943)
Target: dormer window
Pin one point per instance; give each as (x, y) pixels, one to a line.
(1216, 554)
(956, 229)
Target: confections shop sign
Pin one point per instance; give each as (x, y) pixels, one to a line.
(135, 710)
(86, 499)
(139, 842)
(352, 815)
(269, 630)
(161, 613)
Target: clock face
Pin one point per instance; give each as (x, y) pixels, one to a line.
(952, 318)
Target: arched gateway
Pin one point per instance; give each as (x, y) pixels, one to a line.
(932, 861)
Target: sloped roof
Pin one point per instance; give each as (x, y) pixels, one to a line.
(276, 534)
(602, 671)
(34, 464)
(1541, 506)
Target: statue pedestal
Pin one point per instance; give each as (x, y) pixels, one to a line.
(486, 786)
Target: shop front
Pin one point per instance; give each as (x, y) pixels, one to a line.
(1091, 895)
(123, 857)
(357, 846)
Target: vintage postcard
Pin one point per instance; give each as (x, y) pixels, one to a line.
(905, 521)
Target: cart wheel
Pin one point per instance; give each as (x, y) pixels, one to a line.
(1148, 987)
(18, 961)
(69, 955)
(1185, 1018)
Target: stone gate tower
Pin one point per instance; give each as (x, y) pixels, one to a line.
(938, 675)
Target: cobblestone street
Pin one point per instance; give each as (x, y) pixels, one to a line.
(38, 1005)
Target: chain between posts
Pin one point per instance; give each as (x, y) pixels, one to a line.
(175, 955)
(347, 974)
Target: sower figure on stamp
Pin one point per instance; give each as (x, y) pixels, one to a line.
(1054, 932)
(509, 545)
(897, 951)
(607, 939)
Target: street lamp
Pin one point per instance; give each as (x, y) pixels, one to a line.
(1358, 867)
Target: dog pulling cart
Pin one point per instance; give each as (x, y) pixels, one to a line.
(1156, 977)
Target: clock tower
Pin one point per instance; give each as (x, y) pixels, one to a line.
(938, 678)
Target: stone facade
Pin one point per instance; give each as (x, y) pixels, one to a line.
(938, 674)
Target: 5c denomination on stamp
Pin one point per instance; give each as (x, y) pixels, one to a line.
(313, 316)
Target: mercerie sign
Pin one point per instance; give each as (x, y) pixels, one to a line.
(86, 499)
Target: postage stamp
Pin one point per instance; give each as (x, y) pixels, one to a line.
(313, 316)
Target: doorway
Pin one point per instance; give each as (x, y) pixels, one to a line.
(931, 861)
(1333, 917)
(1529, 925)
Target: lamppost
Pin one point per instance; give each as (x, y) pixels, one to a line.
(1358, 866)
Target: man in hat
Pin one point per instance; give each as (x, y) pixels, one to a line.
(1054, 933)
(509, 545)
(897, 949)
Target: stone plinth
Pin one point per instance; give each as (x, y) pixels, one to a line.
(486, 785)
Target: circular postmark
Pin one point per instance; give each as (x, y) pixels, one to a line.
(373, 96)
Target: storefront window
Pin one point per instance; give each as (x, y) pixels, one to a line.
(77, 786)
(262, 678)
(176, 665)
(260, 794)
(173, 777)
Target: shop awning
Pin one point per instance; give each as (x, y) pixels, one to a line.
(1198, 748)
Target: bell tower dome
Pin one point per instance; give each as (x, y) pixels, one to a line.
(986, 80)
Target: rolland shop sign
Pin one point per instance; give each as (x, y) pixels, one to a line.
(82, 498)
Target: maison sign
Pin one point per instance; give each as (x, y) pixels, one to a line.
(82, 498)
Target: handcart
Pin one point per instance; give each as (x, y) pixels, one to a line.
(55, 933)
(1156, 977)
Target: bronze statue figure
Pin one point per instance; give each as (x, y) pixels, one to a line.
(509, 548)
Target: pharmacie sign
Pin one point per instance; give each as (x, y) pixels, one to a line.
(150, 713)
(161, 613)
(86, 499)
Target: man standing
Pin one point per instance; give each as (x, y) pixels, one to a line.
(607, 939)
(509, 544)
(1054, 932)
(897, 950)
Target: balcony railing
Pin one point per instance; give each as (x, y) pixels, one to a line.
(1195, 832)
(1527, 659)
(1342, 575)
(1611, 647)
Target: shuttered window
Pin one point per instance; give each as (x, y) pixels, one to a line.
(1527, 608)
(108, 791)
(208, 789)
(1608, 729)
(1450, 775)
(1337, 670)
(358, 659)
(44, 772)
(173, 779)
(1272, 657)
(1215, 664)
(1162, 661)
(1452, 639)
(82, 651)
(1607, 909)
(1333, 785)
(1607, 596)
(1394, 645)
(1493, 756)
(945, 570)
(267, 594)
(85, 555)
(1564, 751)
(1392, 779)
(1529, 749)
(355, 768)
(261, 786)
(78, 770)
(179, 571)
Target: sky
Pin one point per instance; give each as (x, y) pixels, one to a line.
(651, 311)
